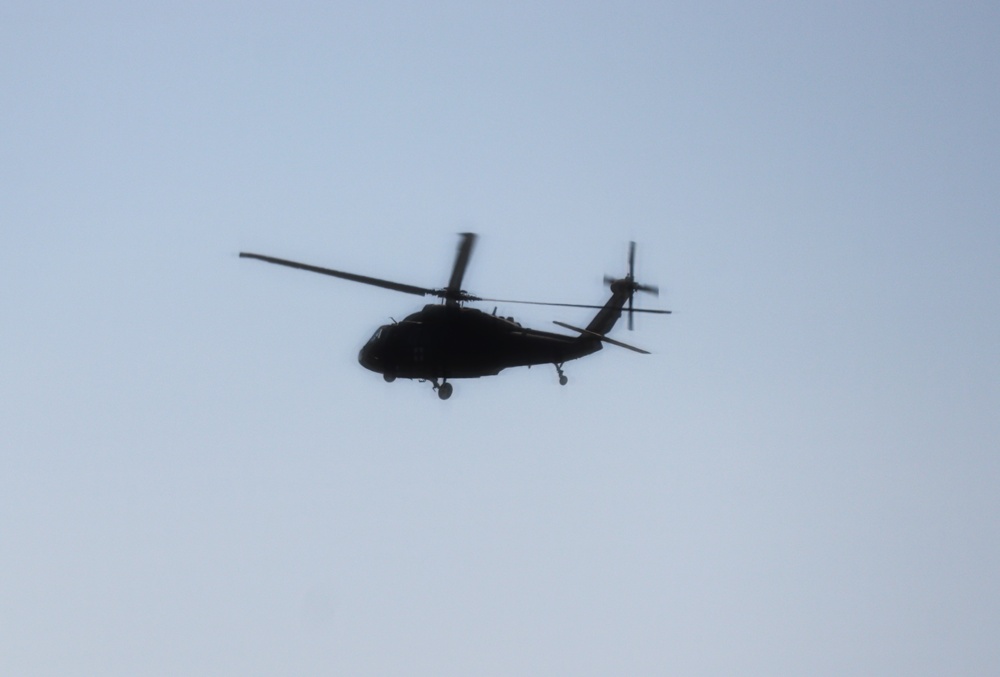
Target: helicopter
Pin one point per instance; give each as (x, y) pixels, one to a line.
(449, 340)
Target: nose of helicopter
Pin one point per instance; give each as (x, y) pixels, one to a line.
(370, 356)
(368, 359)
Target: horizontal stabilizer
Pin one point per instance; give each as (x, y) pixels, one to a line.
(587, 332)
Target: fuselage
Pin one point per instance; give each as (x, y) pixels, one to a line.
(449, 341)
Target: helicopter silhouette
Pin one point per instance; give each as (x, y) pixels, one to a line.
(449, 340)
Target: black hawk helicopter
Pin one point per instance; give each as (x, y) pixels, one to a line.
(448, 340)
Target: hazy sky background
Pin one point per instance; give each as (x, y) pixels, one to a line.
(199, 479)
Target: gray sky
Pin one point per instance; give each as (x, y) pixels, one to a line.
(198, 477)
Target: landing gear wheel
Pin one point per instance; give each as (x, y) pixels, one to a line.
(444, 391)
(389, 378)
(562, 377)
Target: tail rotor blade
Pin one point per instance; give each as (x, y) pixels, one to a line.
(631, 260)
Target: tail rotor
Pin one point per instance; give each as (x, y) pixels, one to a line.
(628, 285)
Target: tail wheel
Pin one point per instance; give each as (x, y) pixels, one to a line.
(444, 391)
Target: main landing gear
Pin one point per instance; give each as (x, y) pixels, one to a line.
(562, 377)
(443, 389)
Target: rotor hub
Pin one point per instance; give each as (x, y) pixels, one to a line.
(623, 286)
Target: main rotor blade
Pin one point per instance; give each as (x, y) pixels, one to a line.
(461, 261)
(364, 279)
(572, 305)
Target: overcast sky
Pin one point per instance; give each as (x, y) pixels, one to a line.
(198, 478)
